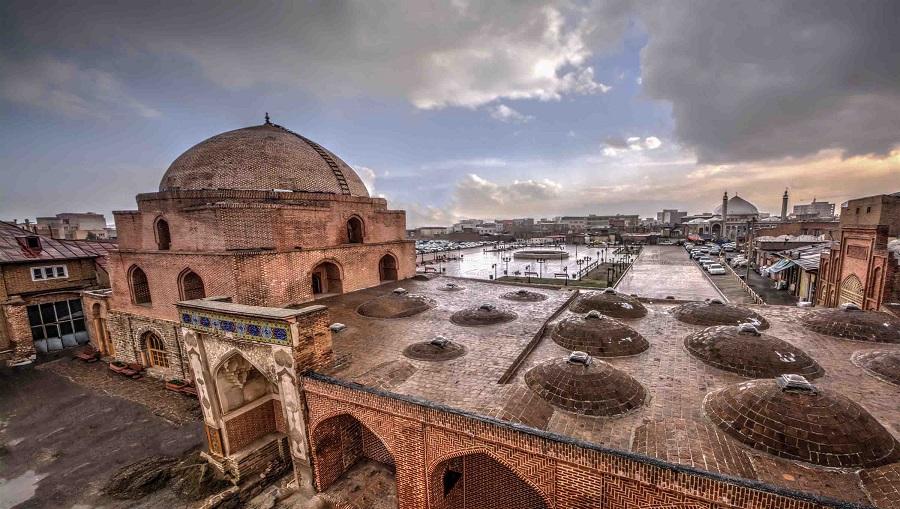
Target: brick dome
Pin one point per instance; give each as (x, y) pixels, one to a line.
(715, 312)
(850, 322)
(610, 303)
(883, 364)
(263, 157)
(438, 349)
(598, 335)
(485, 314)
(395, 306)
(798, 421)
(747, 352)
(591, 388)
(524, 296)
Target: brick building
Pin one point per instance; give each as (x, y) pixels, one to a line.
(41, 280)
(260, 214)
(873, 211)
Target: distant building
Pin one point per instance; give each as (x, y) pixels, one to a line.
(670, 216)
(428, 231)
(75, 226)
(814, 210)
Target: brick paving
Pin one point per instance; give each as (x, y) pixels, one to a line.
(671, 425)
(663, 271)
(149, 392)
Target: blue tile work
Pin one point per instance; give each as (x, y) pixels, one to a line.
(249, 330)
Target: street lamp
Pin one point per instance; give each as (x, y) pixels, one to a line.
(494, 266)
(506, 260)
(541, 267)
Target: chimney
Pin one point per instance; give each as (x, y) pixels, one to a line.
(784, 203)
(724, 215)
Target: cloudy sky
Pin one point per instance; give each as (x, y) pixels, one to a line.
(461, 108)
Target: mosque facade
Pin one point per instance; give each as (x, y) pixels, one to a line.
(262, 215)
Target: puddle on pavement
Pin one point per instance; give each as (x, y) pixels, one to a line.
(18, 489)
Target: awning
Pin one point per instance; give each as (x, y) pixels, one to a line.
(780, 266)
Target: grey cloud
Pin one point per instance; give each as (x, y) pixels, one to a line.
(763, 80)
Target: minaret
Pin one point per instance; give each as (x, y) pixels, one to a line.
(784, 200)
(724, 214)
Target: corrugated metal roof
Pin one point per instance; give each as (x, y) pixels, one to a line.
(14, 247)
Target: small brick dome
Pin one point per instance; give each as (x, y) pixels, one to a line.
(395, 305)
(883, 364)
(263, 157)
(610, 303)
(598, 335)
(715, 312)
(438, 349)
(524, 296)
(804, 423)
(594, 388)
(745, 351)
(485, 314)
(850, 322)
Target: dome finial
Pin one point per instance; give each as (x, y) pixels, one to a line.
(268, 122)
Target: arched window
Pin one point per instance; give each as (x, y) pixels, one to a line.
(163, 239)
(326, 279)
(191, 286)
(140, 288)
(354, 230)
(155, 350)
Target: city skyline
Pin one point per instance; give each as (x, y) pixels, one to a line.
(464, 109)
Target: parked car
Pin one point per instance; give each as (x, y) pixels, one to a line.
(696, 254)
(706, 263)
(715, 269)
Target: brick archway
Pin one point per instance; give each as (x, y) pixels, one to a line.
(338, 441)
(475, 477)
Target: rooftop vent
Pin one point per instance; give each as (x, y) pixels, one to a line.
(399, 291)
(594, 315)
(717, 302)
(452, 285)
(850, 306)
(440, 342)
(795, 383)
(748, 329)
(609, 289)
(487, 307)
(521, 292)
(337, 327)
(580, 358)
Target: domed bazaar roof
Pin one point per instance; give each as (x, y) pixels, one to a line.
(791, 418)
(598, 335)
(264, 157)
(587, 386)
(738, 206)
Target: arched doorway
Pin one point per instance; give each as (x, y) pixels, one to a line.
(341, 443)
(249, 402)
(387, 268)
(154, 350)
(326, 280)
(851, 291)
(354, 230)
(476, 481)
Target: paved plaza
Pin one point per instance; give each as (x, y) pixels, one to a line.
(61, 440)
(667, 271)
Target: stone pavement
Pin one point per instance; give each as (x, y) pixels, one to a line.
(663, 271)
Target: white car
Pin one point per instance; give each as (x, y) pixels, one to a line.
(705, 264)
(696, 254)
(715, 269)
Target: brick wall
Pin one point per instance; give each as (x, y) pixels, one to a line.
(243, 429)
(873, 210)
(519, 464)
(126, 331)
